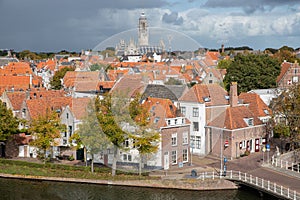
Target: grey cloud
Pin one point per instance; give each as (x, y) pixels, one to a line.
(172, 18)
(252, 6)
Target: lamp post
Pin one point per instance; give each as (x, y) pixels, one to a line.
(221, 156)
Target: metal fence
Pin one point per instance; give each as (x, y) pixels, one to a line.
(255, 182)
(283, 164)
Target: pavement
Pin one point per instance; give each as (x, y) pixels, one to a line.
(253, 164)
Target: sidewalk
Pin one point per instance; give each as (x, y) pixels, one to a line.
(200, 164)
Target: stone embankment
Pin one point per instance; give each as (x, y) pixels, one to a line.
(165, 183)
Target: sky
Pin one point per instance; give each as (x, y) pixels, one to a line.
(73, 25)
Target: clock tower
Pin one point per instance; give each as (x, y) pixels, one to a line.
(143, 30)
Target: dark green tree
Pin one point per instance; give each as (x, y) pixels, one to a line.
(252, 71)
(56, 79)
(8, 123)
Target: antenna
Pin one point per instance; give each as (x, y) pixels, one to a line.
(170, 37)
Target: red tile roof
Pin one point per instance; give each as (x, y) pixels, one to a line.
(161, 109)
(256, 104)
(284, 68)
(79, 107)
(234, 118)
(199, 92)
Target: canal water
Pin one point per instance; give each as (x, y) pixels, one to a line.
(15, 189)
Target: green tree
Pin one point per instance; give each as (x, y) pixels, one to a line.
(110, 127)
(173, 81)
(91, 134)
(285, 53)
(98, 66)
(287, 107)
(145, 138)
(56, 79)
(252, 72)
(224, 64)
(45, 129)
(8, 123)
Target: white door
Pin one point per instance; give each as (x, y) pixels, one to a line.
(166, 160)
(21, 151)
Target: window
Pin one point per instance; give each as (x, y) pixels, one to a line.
(295, 79)
(198, 142)
(210, 81)
(70, 130)
(185, 138)
(67, 115)
(126, 143)
(175, 121)
(250, 122)
(156, 120)
(183, 110)
(169, 122)
(174, 157)
(195, 112)
(23, 112)
(127, 157)
(64, 141)
(192, 141)
(195, 126)
(184, 155)
(174, 139)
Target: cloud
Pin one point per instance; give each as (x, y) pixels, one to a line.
(172, 18)
(252, 6)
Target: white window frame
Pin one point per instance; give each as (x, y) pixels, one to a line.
(174, 157)
(195, 112)
(185, 139)
(198, 142)
(174, 139)
(185, 155)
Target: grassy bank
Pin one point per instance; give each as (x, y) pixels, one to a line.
(60, 170)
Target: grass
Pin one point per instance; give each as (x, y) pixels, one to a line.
(66, 171)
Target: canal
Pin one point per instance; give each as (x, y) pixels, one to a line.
(30, 190)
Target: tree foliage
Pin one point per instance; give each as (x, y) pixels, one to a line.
(91, 134)
(252, 71)
(107, 121)
(8, 123)
(224, 64)
(173, 81)
(286, 107)
(56, 79)
(45, 129)
(145, 138)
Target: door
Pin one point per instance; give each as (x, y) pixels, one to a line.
(166, 160)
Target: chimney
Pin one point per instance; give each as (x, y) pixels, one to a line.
(233, 99)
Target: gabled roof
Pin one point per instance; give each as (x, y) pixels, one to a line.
(234, 118)
(160, 109)
(256, 104)
(129, 85)
(16, 99)
(39, 107)
(158, 91)
(284, 68)
(79, 107)
(16, 68)
(210, 94)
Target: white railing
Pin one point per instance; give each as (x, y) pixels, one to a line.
(292, 166)
(263, 184)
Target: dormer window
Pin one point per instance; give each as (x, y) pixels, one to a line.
(266, 112)
(206, 99)
(249, 121)
(227, 97)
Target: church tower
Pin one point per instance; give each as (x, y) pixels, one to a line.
(143, 30)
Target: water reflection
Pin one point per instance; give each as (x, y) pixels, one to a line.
(31, 190)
